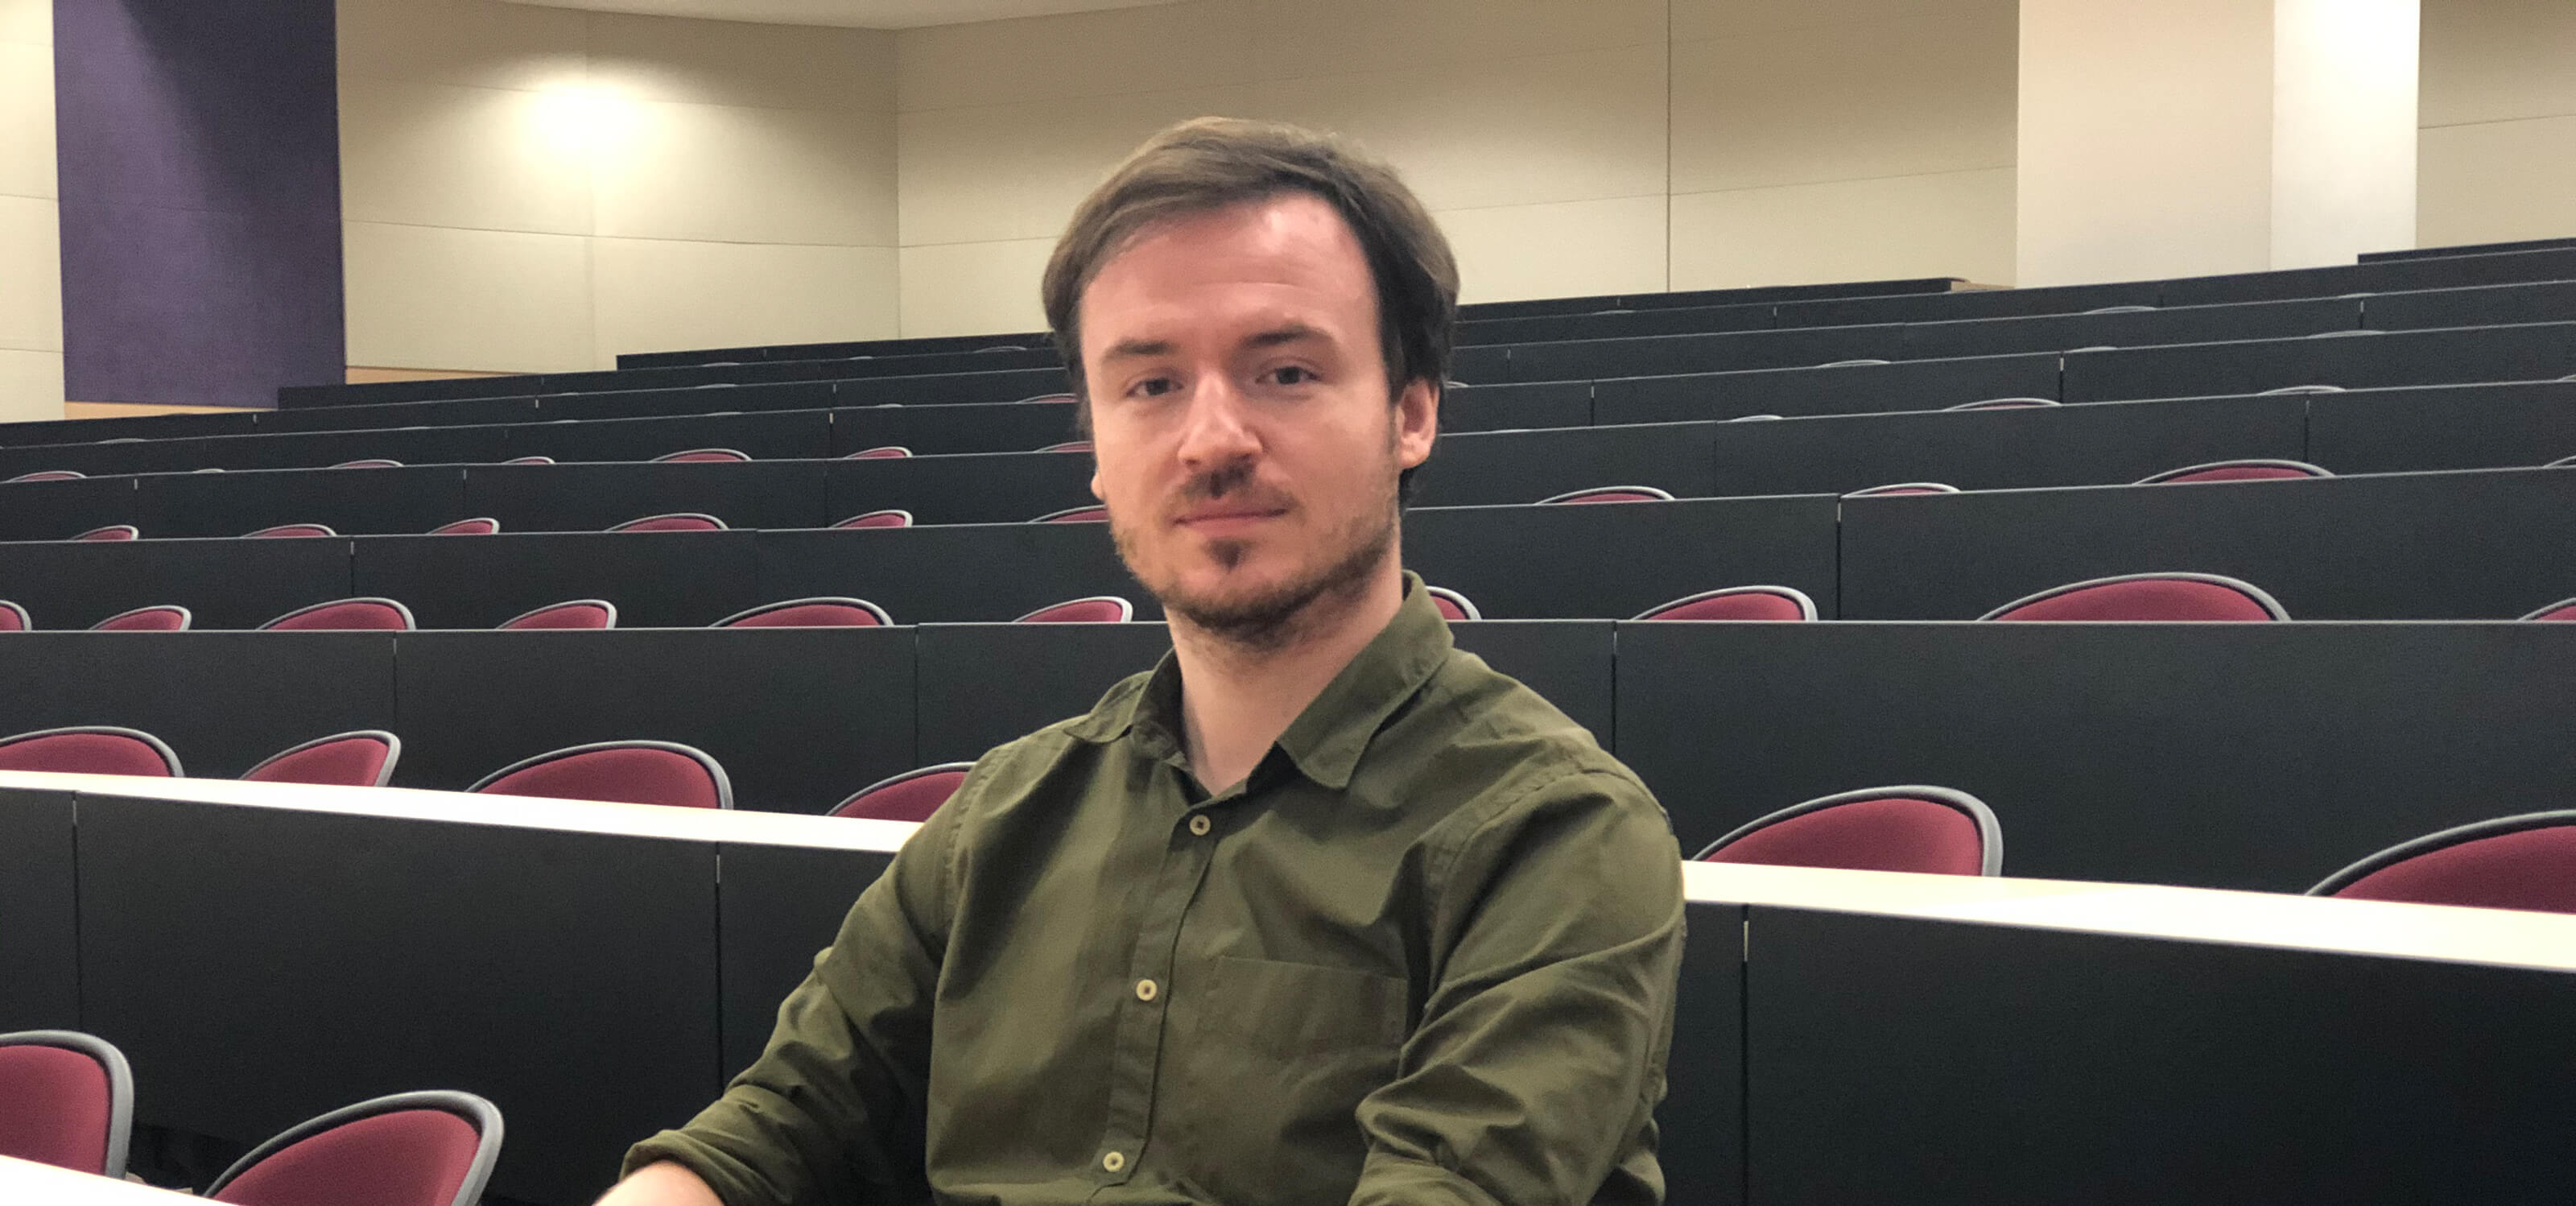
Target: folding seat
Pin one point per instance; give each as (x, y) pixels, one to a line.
(160, 617)
(2562, 610)
(1050, 398)
(910, 796)
(1737, 603)
(1095, 513)
(677, 521)
(1755, 418)
(69, 1101)
(410, 1149)
(364, 614)
(13, 618)
(373, 462)
(620, 772)
(2118, 310)
(1904, 488)
(530, 460)
(882, 452)
(1452, 605)
(2256, 470)
(2564, 462)
(45, 475)
(2519, 862)
(114, 531)
(90, 750)
(1068, 446)
(574, 613)
(2004, 404)
(1927, 830)
(478, 526)
(892, 518)
(1610, 494)
(2300, 389)
(701, 456)
(1095, 609)
(290, 530)
(361, 758)
(1855, 362)
(820, 612)
(2160, 596)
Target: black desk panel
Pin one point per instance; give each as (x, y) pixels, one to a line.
(994, 487)
(2474, 544)
(147, 427)
(280, 450)
(777, 907)
(1595, 303)
(2457, 249)
(2443, 427)
(62, 509)
(1965, 304)
(1701, 1122)
(452, 413)
(2256, 756)
(353, 502)
(1526, 466)
(766, 371)
(765, 435)
(1466, 408)
(2191, 324)
(1616, 324)
(2390, 277)
(260, 966)
(596, 496)
(799, 717)
(656, 579)
(1006, 385)
(224, 701)
(1928, 1063)
(68, 586)
(40, 944)
(1602, 561)
(916, 346)
(951, 574)
(2106, 443)
(965, 427)
(1592, 359)
(311, 397)
(696, 400)
(2481, 306)
(1852, 389)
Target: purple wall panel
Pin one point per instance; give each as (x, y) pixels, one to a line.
(199, 148)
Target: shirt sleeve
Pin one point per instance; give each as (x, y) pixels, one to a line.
(832, 1111)
(1534, 1072)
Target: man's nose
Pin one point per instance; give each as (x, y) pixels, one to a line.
(1218, 427)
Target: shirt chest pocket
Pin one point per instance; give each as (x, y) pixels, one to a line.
(1271, 1074)
(1294, 1011)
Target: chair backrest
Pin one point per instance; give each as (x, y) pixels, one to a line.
(2521, 862)
(1737, 603)
(572, 613)
(1904, 488)
(1929, 830)
(367, 614)
(820, 612)
(372, 462)
(66, 1099)
(691, 456)
(114, 531)
(910, 796)
(626, 772)
(2004, 404)
(532, 460)
(2564, 462)
(409, 1149)
(2174, 596)
(14, 618)
(1050, 398)
(159, 617)
(894, 517)
(1611, 494)
(1095, 609)
(2235, 471)
(96, 749)
(478, 526)
(45, 475)
(882, 452)
(1755, 418)
(362, 758)
(1452, 605)
(2564, 609)
(1854, 362)
(290, 530)
(1068, 446)
(1094, 513)
(677, 521)
(2301, 389)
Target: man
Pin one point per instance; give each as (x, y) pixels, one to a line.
(1318, 911)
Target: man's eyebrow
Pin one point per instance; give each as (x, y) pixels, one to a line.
(1295, 332)
(1137, 349)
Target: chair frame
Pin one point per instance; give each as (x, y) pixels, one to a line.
(2255, 462)
(1755, 418)
(2315, 388)
(120, 1086)
(902, 453)
(26, 623)
(187, 618)
(2263, 598)
(1990, 833)
(1806, 605)
(481, 1114)
(1656, 493)
(2546, 609)
(324, 532)
(368, 462)
(629, 525)
(384, 774)
(1462, 602)
(2014, 403)
(1059, 516)
(1902, 489)
(2407, 851)
(169, 757)
(883, 620)
(892, 780)
(1058, 396)
(601, 603)
(133, 532)
(715, 770)
(441, 530)
(409, 623)
(731, 456)
(844, 524)
(531, 459)
(1126, 610)
(2564, 462)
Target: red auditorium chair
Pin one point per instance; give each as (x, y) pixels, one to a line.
(364, 614)
(45, 475)
(2521, 862)
(1902, 488)
(2168, 596)
(1855, 362)
(1610, 494)
(13, 618)
(2564, 609)
(362, 758)
(91, 750)
(1094, 609)
(529, 460)
(159, 617)
(2300, 389)
(478, 526)
(622, 772)
(289, 530)
(677, 521)
(1737, 603)
(890, 518)
(2235, 471)
(575, 613)
(69, 1101)
(2004, 404)
(409, 1149)
(697, 456)
(825, 611)
(114, 531)
(371, 462)
(1927, 830)
(1050, 398)
(1452, 605)
(1755, 418)
(910, 796)
(883, 452)
(1068, 446)
(1095, 513)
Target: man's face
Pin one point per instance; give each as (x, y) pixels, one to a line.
(1247, 446)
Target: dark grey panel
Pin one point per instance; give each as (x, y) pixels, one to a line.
(2485, 305)
(40, 944)
(147, 427)
(656, 579)
(62, 509)
(1853, 389)
(594, 497)
(232, 583)
(2388, 277)
(1701, 1145)
(694, 400)
(778, 907)
(1526, 466)
(951, 574)
(986, 684)
(455, 413)
(1615, 324)
(2101, 444)
(996, 386)
(1568, 662)
(1592, 359)
(764, 435)
(353, 502)
(2190, 324)
(1965, 304)
(965, 427)
(224, 701)
(2443, 427)
(995, 487)
(1612, 560)
(1510, 407)
(2422, 253)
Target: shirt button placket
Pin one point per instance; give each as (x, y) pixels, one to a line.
(1199, 825)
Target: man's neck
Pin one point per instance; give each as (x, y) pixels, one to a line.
(1236, 702)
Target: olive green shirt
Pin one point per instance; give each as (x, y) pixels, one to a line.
(1425, 953)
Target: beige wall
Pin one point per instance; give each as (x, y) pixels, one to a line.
(31, 290)
(2498, 149)
(533, 189)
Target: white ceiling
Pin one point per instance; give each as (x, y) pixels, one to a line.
(866, 14)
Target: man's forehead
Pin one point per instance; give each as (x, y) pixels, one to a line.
(1259, 269)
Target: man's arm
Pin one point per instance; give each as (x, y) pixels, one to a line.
(1542, 1043)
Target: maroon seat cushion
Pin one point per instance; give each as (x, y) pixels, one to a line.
(1079, 611)
(145, 619)
(114, 531)
(13, 618)
(292, 530)
(811, 615)
(354, 615)
(912, 799)
(2237, 473)
(1077, 515)
(1448, 607)
(402, 1158)
(1745, 605)
(467, 527)
(347, 762)
(886, 452)
(2146, 599)
(623, 776)
(55, 1107)
(2567, 612)
(671, 523)
(696, 456)
(1609, 496)
(581, 614)
(878, 519)
(1889, 834)
(2531, 869)
(84, 754)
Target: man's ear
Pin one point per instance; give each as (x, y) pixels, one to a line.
(1417, 421)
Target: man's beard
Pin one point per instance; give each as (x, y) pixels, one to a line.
(1276, 618)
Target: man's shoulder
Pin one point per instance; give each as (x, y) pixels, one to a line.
(1511, 750)
(1027, 758)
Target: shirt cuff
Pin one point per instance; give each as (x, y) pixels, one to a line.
(1397, 1181)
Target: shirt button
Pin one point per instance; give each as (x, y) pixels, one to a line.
(1199, 825)
(1144, 992)
(1114, 1161)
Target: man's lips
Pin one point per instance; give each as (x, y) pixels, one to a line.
(1221, 518)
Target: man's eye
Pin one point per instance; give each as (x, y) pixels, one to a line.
(1154, 387)
(1293, 375)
